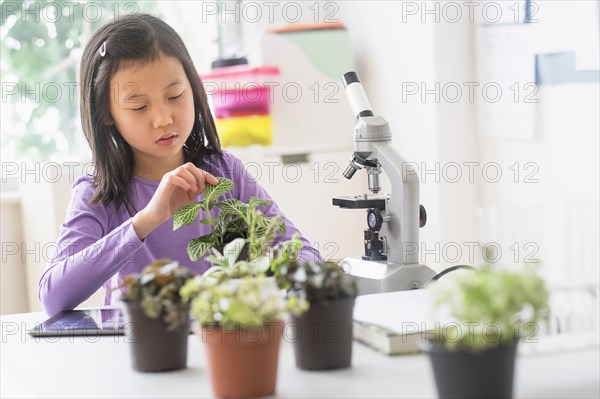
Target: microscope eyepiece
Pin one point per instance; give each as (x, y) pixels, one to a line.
(350, 77)
(356, 95)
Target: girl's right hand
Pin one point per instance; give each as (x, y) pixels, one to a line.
(177, 188)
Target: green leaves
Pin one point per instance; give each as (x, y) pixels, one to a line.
(318, 282)
(256, 202)
(236, 219)
(269, 230)
(156, 289)
(197, 247)
(510, 301)
(186, 215)
(233, 207)
(238, 303)
(151, 306)
(212, 193)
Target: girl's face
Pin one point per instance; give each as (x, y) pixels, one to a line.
(152, 105)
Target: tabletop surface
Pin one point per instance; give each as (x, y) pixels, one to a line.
(101, 367)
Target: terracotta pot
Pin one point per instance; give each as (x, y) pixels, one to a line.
(242, 363)
(465, 374)
(324, 335)
(153, 348)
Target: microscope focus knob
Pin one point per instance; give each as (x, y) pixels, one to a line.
(374, 219)
(422, 216)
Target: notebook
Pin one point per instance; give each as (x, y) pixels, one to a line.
(393, 323)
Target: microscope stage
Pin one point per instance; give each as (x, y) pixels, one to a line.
(363, 201)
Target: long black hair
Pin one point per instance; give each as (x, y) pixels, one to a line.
(138, 39)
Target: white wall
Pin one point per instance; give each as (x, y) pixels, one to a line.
(13, 287)
(559, 213)
(44, 197)
(458, 142)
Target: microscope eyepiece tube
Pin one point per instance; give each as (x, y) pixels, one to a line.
(356, 95)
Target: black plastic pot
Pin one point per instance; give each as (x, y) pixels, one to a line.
(153, 348)
(323, 335)
(466, 374)
(243, 255)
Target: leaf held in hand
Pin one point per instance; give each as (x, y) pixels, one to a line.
(185, 215)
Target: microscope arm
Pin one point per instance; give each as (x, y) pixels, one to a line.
(402, 229)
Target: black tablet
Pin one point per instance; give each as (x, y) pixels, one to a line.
(86, 322)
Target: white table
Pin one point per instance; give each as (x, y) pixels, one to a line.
(101, 367)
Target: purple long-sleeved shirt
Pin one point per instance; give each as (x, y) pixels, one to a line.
(98, 246)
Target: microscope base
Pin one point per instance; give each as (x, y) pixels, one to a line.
(374, 277)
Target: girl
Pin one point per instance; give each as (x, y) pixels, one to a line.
(145, 115)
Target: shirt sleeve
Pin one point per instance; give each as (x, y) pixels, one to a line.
(245, 186)
(88, 254)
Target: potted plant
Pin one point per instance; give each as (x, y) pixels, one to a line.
(239, 320)
(157, 319)
(491, 309)
(324, 332)
(238, 308)
(236, 219)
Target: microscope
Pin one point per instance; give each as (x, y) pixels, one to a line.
(391, 241)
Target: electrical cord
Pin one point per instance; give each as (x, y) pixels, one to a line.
(446, 271)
